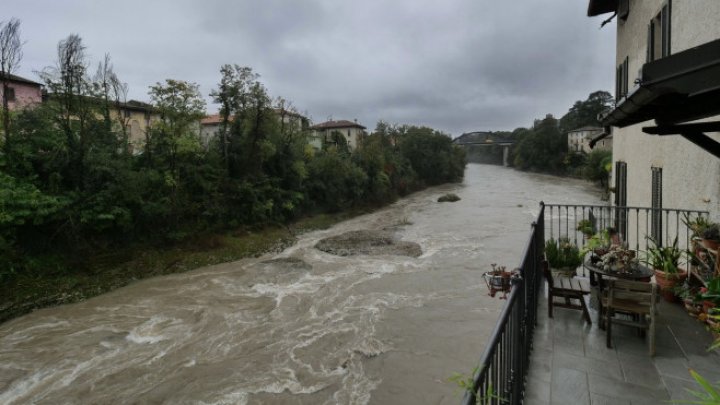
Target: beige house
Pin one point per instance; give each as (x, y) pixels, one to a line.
(666, 146)
(579, 140)
(351, 131)
(136, 117)
(289, 122)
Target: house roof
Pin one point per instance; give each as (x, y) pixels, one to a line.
(597, 7)
(337, 124)
(280, 111)
(214, 119)
(586, 128)
(137, 105)
(18, 79)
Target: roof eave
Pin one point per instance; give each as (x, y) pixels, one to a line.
(598, 7)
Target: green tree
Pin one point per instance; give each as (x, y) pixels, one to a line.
(585, 113)
(598, 166)
(10, 57)
(542, 148)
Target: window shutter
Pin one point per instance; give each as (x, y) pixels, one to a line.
(621, 197)
(665, 21)
(656, 222)
(625, 78)
(650, 42)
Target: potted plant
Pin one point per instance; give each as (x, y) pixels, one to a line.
(665, 261)
(710, 295)
(563, 256)
(711, 236)
(586, 227)
(598, 244)
(498, 280)
(697, 225)
(619, 260)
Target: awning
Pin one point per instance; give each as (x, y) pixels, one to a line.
(597, 7)
(678, 88)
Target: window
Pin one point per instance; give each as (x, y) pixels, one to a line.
(621, 80)
(621, 197)
(658, 44)
(10, 94)
(656, 219)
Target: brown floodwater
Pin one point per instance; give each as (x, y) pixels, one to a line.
(301, 326)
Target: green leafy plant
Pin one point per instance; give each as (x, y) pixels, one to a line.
(562, 253)
(712, 232)
(711, 292)
(663, 258)
(586, 227)
(697, 225)
(466, 383)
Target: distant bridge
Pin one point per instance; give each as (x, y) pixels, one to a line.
(504, 144)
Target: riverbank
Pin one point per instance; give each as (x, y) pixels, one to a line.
(106, 272)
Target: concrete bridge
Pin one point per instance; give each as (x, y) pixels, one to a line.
(474, 142)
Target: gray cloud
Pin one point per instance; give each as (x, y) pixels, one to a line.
(457, 66)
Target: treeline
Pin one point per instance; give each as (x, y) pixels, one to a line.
(544, 147)
(71, 187)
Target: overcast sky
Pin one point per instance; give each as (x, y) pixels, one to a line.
(454, 65)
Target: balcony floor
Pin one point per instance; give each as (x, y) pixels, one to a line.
(570, 363)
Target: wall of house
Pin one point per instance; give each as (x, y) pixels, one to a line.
(352, 135)
(137, 125)
(690, 174)
(25, 95)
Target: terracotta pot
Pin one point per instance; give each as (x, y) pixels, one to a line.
(707, 305)
(667, 283)
(710, 244)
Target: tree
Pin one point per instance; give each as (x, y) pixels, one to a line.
(598, 166)
(71, 95)
(174, 140)
(232, 96)
(542, 148)
(585, 113)
(10, 57)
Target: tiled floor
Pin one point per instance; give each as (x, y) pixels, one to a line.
(571, 364)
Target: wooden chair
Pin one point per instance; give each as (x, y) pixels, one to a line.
(568, 288)
(635, 298)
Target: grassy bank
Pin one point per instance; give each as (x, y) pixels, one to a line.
(110, 270)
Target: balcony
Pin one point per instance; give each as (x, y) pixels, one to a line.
(562, 360)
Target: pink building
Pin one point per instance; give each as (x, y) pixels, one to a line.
(22, 92)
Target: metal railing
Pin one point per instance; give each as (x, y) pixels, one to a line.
(633, 224)
(500, 378)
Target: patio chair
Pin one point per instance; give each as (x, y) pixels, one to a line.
(635, 298)
(569, 289)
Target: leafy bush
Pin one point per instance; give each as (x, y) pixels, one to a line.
(562, 253)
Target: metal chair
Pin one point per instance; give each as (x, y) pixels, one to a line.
(635, 298)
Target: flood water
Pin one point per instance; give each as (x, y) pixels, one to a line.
(301, 326)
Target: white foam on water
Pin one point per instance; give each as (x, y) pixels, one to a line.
(151, 330)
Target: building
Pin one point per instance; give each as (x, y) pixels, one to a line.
(289, 122)
(22, 92)
(136, 117)
(666, 146)
(579, 140)
(351, 131)
(210, 128)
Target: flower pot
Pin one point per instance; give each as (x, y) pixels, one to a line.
(667, 283)
(564, 272)
(707, 305)
(711, 244)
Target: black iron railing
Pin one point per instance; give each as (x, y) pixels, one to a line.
(633, 224)
(500, 378)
